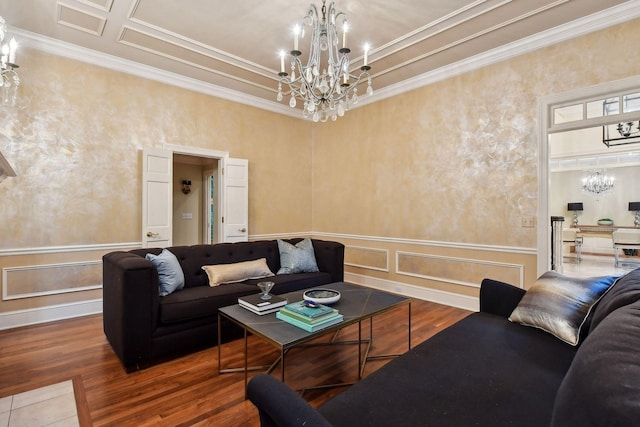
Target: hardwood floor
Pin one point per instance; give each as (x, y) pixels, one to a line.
(188, 391)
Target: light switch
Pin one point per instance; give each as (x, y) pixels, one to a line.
(187, 215)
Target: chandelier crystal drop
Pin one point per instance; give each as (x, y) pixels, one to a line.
(324, 85)
(598, 183)
(10, 79)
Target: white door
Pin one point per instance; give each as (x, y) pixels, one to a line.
(157, 206)
(235, 218)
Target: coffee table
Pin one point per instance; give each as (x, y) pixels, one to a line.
(356, 304)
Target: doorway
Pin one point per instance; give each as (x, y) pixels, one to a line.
(159, 184)
(194, 204)
(573, 111)
(574, 156)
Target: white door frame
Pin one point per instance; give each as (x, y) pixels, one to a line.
(206, 232)
(545, 109)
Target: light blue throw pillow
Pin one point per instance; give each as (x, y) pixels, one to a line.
(297, 259)
(170, 273)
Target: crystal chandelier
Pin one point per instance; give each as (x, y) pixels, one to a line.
(10, 79)
(324, 84)
(598, 183)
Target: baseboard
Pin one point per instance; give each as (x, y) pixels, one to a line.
(441, 297)
(14, 319)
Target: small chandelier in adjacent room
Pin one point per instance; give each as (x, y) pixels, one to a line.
(10, 79)
(324, 85)
(598, 183)
(622, 133)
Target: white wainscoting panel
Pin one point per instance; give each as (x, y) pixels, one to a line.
(458, 271)
(50, 279)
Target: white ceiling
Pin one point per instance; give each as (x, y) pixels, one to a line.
(234, 45)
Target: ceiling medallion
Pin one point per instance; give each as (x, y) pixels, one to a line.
(324, 85)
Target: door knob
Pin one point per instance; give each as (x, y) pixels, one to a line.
(150, 234)
(242, 230)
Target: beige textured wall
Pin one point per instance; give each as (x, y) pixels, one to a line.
(75, 144)
(454, 161)
(424, 182)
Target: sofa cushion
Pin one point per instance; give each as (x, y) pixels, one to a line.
(602, 387)
(559, 304)
(201, 301)
(237, 272)
(298, 258)
(170, 276)
(483, 370)
(625, 291)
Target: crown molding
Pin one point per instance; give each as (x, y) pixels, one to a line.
(112, 62)
(580, 27)
(595, 22)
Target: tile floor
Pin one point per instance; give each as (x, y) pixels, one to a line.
(598, 265)
(52, 406)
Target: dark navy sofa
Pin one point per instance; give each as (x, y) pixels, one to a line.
(144, 328)
(488, 371)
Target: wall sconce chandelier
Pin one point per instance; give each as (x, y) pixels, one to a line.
(324, 84)
(186, 186)
(598, 183)
(10, 79)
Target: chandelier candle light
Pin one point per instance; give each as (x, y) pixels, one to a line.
(10, 79)
(324, 84)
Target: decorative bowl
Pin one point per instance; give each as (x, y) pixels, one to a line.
(321, 296)
(605, 222)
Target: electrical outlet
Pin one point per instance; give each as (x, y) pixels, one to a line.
(528, 221)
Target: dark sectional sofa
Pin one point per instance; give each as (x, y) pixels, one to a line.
(488, 371)
(144, 328)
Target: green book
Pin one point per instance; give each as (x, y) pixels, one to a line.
(309, 328)
(309, 320)
(311, 312)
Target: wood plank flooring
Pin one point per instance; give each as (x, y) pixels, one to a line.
(188, 391)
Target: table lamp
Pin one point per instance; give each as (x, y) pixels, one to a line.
(635, 207)
(575, 207)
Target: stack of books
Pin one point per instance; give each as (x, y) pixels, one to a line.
(260, 306)
(308, 318)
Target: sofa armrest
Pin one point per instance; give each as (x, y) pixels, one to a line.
(330, 258)
(499, 298)
(130, 305)
(279, 406)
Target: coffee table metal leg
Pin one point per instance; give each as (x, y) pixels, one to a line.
(219, 344)
(246, 362)
(282, 363)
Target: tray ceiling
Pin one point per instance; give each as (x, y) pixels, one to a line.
(235, 45)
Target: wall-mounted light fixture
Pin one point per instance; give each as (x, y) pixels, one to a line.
(635, 207)
(186, 186)
(9, 80)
